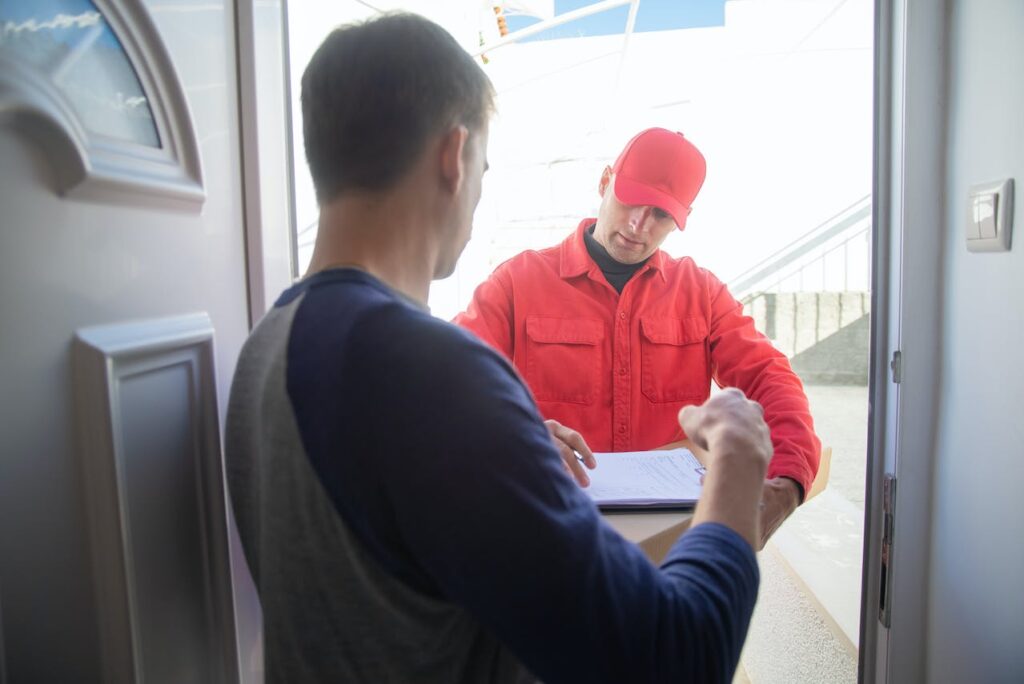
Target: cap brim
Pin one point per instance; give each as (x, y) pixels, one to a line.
(631, 192)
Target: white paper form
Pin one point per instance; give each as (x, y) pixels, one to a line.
(646, 478)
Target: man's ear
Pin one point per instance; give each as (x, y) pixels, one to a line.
(453, 168)
(606, 178)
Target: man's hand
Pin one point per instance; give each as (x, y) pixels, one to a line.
(733, 431)
(779, 499)
(728, 423)
(569, 443)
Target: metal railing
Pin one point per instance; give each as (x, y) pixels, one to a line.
(775, 294)
(810, 251)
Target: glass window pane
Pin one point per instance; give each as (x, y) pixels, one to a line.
(70, 43)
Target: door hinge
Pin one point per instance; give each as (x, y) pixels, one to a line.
(888, 529)
(897, 366)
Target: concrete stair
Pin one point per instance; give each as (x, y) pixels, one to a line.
(825, 334)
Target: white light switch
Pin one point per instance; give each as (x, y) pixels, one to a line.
(973, 227)
(984, 208)
(990, 216)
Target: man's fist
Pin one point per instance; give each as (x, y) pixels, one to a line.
(728, 425)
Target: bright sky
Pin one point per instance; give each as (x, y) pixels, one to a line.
(652, 15)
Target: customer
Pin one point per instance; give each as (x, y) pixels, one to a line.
(402, 507)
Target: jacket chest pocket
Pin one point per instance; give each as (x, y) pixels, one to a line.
(674, 358)
(562, 358)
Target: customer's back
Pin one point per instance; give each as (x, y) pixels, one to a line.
(331, 611)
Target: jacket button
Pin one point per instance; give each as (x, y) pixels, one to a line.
(622, 315)
(622, 428)
(622, 371)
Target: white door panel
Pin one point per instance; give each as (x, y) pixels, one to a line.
(66, 264)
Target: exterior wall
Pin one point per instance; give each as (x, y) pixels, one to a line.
(975, 608)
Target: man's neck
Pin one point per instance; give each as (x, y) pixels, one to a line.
(382, 235)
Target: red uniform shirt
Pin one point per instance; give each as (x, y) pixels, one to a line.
(617, 368)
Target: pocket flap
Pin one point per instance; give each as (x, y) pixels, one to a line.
(678, 331)
(564, 330)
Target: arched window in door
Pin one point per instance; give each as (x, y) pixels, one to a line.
(93, 85)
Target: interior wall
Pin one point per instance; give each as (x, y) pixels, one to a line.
(976, 606)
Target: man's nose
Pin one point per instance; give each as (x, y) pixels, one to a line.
(638, 218)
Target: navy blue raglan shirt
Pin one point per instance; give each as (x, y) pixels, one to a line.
(407, 518)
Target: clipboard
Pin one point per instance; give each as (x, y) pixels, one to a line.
(646, 480)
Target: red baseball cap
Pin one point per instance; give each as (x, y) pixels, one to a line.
(660, 168)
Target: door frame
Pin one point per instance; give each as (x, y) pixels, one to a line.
(265, 123)
(268, 191)
(910, 85)
(909, 158)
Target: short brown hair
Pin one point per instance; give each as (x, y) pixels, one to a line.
(375, 92)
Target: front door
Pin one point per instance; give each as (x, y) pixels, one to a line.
(122, 255)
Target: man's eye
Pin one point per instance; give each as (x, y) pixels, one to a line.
(659, 213)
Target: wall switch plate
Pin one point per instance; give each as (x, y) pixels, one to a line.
(990, 216)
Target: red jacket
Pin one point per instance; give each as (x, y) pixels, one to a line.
(617, 368)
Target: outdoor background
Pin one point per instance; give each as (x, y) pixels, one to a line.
(777, 94)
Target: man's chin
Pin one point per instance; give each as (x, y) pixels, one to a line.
(445, 269)
(627, 257)
(626, 252)
(442, 273)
